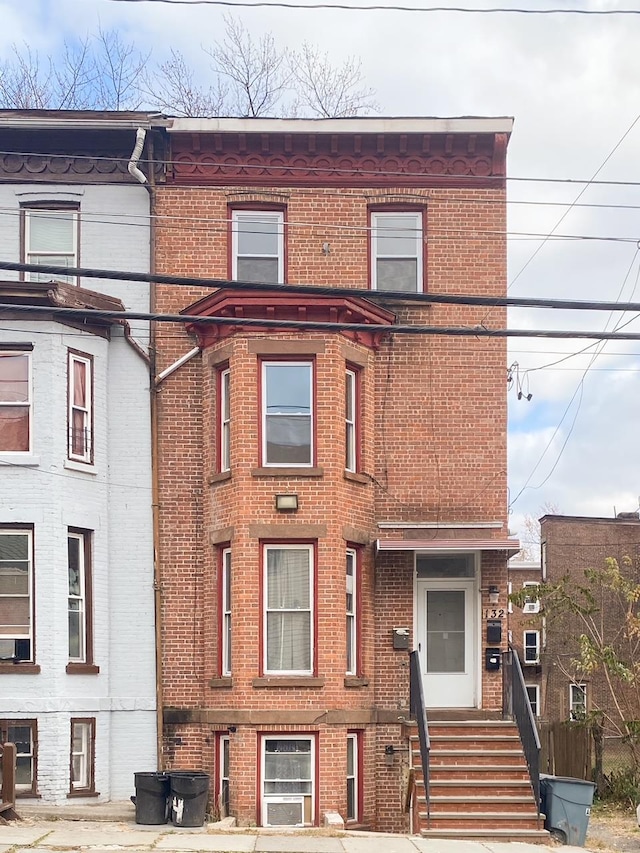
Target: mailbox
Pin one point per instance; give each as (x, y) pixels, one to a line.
(494, 631)
(401, 639)
(492, 658)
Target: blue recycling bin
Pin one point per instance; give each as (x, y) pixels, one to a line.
(566, 803)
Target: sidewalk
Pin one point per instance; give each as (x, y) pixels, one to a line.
(36, 835)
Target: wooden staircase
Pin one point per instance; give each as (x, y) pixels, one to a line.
(479, 783)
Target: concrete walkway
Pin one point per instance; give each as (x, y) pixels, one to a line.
(35, 835)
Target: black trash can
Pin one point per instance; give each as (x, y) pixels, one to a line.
(152, 797)
(188, 797)
(566, 803)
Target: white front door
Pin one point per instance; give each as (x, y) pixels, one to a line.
(446, 641)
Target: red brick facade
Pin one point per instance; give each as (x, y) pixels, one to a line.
(431, 436)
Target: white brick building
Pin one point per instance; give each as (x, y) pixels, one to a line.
(77, 635)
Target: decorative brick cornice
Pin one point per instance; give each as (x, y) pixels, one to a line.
(69, 168)
(341, 160)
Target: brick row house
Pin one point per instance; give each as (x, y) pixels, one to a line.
(77, 634)
(329, 481)
(527, 628)
(328, 498)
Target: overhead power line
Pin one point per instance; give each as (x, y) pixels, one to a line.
(316, 290)
(498, 10)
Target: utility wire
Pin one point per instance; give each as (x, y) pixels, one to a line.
(315, 290)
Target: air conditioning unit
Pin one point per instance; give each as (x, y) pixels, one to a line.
(531, 607)
(283, 811)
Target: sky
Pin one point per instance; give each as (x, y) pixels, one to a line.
(572, 83)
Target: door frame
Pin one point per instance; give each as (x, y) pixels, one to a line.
(475, 609)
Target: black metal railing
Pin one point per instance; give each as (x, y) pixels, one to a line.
(516, 704)
(419, 714)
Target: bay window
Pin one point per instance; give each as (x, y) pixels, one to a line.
(352, 639)
(226, 612)
(288, 609)
(24, 734)
(16, 594)
(224, 453)
(80, 416)
(80, 604)
(287, 413)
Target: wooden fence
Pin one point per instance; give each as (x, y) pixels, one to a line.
(8, 790)
(566, 750)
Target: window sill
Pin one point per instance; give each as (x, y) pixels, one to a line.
(73, 795)
(275, 471)
(288, 681)
(19, 668)
(82, 669)
(221, 681)
(86, 467)
(355, 681)
(23, 460)
(219, 477)
(354, 477)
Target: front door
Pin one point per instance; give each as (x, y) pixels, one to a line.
(446, 642)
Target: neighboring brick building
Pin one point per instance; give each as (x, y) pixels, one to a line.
(527, 628)
(325, 495)
(570, 545)
(77, 639)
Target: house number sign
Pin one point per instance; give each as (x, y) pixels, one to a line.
(493, 613)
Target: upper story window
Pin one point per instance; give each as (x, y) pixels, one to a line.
(532, 601)
(257, 245)
(287, 413)
(16, 597)
(396, 251)
(80, 603)
(577, 701)
(531, 645)
(288, 609)
(533, 692)
(351, 605)
(224, 452)
(15, 402)
(351, 420)
(50, 237)
(225, 601)
(80, 394)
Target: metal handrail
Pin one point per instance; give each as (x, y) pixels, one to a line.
(516, 704)
(419, 714)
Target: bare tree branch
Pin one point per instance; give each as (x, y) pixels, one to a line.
(119, 69)
(327, 90)
(172, 89)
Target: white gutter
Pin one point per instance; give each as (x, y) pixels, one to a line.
(95, 123)
(132, 166)
(342, 125)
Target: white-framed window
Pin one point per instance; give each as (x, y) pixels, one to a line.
(80, 420)
(531, 602)
(353, 782)
(15, 401)
(80, 605)
(257, 245)
(24, 734)
(82, 755)
(287, 413)
(531, 646)
(533, 692)
(352, 625)
(16, 594)
(350, 418)
(288, 609)
(225, 419)
(287, 780)
(224, 745)
(509, 594)
(226, 611)
(51, 237)
(577, 701)
(396, 251)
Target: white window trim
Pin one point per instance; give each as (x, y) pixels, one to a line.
(351, 424)
(419, 246)
(525, 648)
(85, 755)
(236, 217)
(13, 531)
(312, 413)
(573, 706)
(266, 797)
(509, 594)
(352, 615)
(534, 605)
(28, 405)
(225, 420)
(87, 456)
(81, 598)
(227, 640)
(265, 611)
(352, 742)
(536, 688)
(29, 254)
(224, 741)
